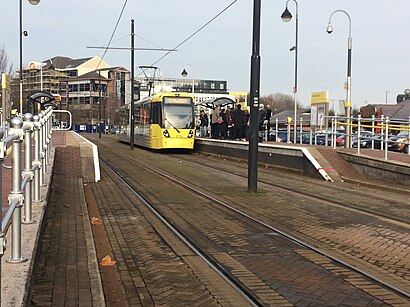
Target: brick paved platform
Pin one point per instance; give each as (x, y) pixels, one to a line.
(65, 270)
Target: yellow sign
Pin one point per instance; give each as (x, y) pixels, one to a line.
(320, 97)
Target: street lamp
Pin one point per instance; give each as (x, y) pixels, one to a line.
(348, 106)
(23, 33)
(286, 17)
(386, 95)
(184, 74)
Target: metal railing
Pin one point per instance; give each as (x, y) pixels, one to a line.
(376, 133)
(21, 196)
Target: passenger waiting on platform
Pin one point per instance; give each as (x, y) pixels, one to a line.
(223, 125)
(238, 122)
(203, 124)
(214, 122)
(229, 123)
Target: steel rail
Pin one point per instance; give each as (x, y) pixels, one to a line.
(253, 301)
(337, 203)
(375, 279)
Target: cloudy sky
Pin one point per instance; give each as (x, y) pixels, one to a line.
(221, 51)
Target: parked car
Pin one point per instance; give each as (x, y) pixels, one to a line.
(340, 140)
(399, 142)
(321, 139)
(366, 141)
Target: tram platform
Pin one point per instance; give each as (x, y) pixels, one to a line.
(320, 161)
(69, 258)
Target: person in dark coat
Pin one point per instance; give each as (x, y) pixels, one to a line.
(223, 126)
(239, 121)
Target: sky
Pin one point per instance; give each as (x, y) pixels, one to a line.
(222, 50)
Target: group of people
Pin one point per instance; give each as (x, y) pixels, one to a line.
(229, 124)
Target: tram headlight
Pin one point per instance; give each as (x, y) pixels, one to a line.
(190, 134)
(166, 133)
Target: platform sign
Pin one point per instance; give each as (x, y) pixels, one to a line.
(319, 107)
(6, 103)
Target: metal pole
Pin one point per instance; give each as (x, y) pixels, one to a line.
(373, 117)
(132, 132)
(386, 148)
(28, 216)
(41, 148)
(43, 145)
(37, 162)
(21, 56)
(359, 119)
(16, 193)
(382, 133)
(349, 74)
(276, 129)
(254, 96)
(99, 105)
(295, 89)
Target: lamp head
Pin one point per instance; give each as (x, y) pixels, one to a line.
(286, 15)
(329, 28)
(34, 2)
(184, 73)
(292, 48)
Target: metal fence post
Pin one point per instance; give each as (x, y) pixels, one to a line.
(359, 124)
(373, 117)
(382, 133)
(386, 148)
(276, 129)
(42, 152)
(37, 161)
(301, 131)
(16, 194)
(408, 139)
(28, 216)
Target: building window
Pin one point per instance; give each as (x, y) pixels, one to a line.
(84, 87)
(72, 73)
(221, 86)
(212, 86)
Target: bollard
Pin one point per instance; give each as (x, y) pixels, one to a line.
(28, 216)
(37, 162)
(16, 195)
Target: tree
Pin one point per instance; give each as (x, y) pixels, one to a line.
(279, 102)
(5, 66)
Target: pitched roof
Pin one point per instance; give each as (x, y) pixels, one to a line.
(60, 62)
(399, 111)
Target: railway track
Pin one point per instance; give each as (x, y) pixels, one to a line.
(275, 231)
(401, 218)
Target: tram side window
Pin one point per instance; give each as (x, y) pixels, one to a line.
(155, 117)
(137, 116)
(146, 114)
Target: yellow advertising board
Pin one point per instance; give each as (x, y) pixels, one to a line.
(320, 97)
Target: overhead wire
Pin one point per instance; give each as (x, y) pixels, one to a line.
(113, 33)
(195, 33)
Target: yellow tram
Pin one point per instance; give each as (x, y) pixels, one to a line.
(164, 121)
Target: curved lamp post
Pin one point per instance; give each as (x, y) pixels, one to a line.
(348, 106)
(286, 17)
(184, 74)
(23, 33)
